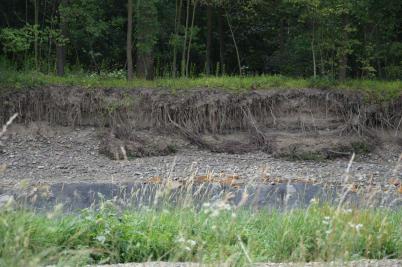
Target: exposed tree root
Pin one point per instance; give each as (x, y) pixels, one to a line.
(267, 117)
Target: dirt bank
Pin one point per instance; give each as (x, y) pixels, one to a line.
(296, 124)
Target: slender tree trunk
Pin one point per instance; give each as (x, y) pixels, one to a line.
(343, 63)
(36, 23)
(183, 56)
(147, 22)
(129, 44)
(145, 66)
(313, 52)
(343, 60)
(60, 47)
(179, 6)
(235, 45)
(322, 65)
(221, 43)
(209, 40)
(281, 38)
(190, 38)
(26, 11)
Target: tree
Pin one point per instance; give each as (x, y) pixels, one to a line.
(36, 32)
(129, 39)
(61, 43)
(336, 39)
(147, 29)
(221, 42)
(209, 40)
(175, 38)
(190, 38)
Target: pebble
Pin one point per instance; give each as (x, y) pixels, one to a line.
(83, 162)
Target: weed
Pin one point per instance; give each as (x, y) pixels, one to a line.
(211, 234)
(374, 90)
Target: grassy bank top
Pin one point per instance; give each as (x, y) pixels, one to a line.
(381, 90)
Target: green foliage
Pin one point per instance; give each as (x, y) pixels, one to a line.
(16, 40)
(19, 41)
(147, 26)
(216, 233)
(95, 33)
(361, 37)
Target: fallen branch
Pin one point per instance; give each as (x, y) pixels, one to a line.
(8, 123)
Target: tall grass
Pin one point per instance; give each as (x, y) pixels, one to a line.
(214, 234)
(374, 89)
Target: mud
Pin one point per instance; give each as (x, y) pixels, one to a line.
(296, 124)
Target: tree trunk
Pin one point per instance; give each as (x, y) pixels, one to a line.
(190, 38)
(313, 52)
(176, 33)
(145, 63)
(221, 44)
(36, 25)
(183, 56)
(209, 41)
(343, 65)
(235, 45)
(281, 38)
(60, 47)
(129, 46)
(343, 60)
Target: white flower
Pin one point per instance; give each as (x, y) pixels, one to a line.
(215, 213)
(191, 242)
(101, 238)
(326, 220)
(357, 227)
(180, 239)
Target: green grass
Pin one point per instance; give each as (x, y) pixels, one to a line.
(382, 90)
(212, 234)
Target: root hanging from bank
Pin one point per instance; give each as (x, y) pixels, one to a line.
(302, 123)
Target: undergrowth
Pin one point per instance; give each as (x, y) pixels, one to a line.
(374, 90)
(216, 233)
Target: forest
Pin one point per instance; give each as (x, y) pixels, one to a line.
(334, 39)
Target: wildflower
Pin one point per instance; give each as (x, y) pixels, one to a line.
(326, 220)
(192, 243)
(101, 238)
(215, 213)
(180, 239)
(357, 227)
